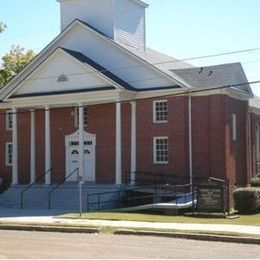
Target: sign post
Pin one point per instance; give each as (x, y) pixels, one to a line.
(80, 182)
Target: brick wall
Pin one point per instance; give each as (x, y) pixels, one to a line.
(214, 153)
(176, 130)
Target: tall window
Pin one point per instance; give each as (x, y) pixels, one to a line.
(234, 127)
(160, 111)
(76, 117)
(9, 120)
(9, 154)
(160, 150)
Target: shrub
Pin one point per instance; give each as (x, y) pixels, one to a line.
(255, 182)
(247, 200)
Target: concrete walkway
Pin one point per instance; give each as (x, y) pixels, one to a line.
(49, 217)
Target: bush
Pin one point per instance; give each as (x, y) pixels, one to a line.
(255, 182)
(247, 200)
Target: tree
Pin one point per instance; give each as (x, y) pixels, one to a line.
(13, 62)
(2, 27)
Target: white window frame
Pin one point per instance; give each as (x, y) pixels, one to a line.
(155, 138)
(155, 120)
(76, 117)
(234, 127)
(9, 120)
(7, 158)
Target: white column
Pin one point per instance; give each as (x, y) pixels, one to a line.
(47, 145)
(190, 142)
(133, 142)
(32, 162)
(81, 141)
(118, 145)
(15, 148)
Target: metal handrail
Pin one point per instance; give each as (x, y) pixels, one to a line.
(33, 183)
(99, 194)
(153, 178)
(173, 191)
(57, 185)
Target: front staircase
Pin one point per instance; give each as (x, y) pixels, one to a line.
(65, 197)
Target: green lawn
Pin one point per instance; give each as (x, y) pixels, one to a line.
(242, 220)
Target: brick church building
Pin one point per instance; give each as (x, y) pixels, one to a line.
(98, 100)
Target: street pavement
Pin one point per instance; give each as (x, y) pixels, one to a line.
(49, 217)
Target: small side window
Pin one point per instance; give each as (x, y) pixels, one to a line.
(76, 117)
(9, 154)
(234, 127)
(9, 120)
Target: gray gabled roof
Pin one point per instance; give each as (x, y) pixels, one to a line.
(255, 102)
(214, 76)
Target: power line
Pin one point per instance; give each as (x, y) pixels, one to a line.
(144, 65)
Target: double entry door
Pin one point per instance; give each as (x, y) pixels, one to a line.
(73, 154)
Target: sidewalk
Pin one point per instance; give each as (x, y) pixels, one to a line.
(46, 218)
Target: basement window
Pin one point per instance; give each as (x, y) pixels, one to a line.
(160, 150)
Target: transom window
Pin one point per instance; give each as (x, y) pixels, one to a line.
(9, 154)
(76, 117)
(160, 111)
(9, 120)
(160, 150)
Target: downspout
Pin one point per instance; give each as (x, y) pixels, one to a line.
(190, 142)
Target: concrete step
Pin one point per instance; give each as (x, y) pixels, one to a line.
(66, 196)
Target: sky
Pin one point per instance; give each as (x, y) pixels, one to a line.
(180, 28)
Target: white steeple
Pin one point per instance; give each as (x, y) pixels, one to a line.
(121, 20)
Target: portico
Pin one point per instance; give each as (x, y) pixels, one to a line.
(82, 137)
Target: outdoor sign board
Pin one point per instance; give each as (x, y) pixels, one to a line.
(211, 197)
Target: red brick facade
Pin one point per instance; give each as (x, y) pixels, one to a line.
(214, 152)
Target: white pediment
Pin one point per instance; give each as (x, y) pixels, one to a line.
(61, 72)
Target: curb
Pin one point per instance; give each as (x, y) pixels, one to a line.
(204, 237)
(62, 229)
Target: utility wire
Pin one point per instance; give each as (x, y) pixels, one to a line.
(144, 65)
